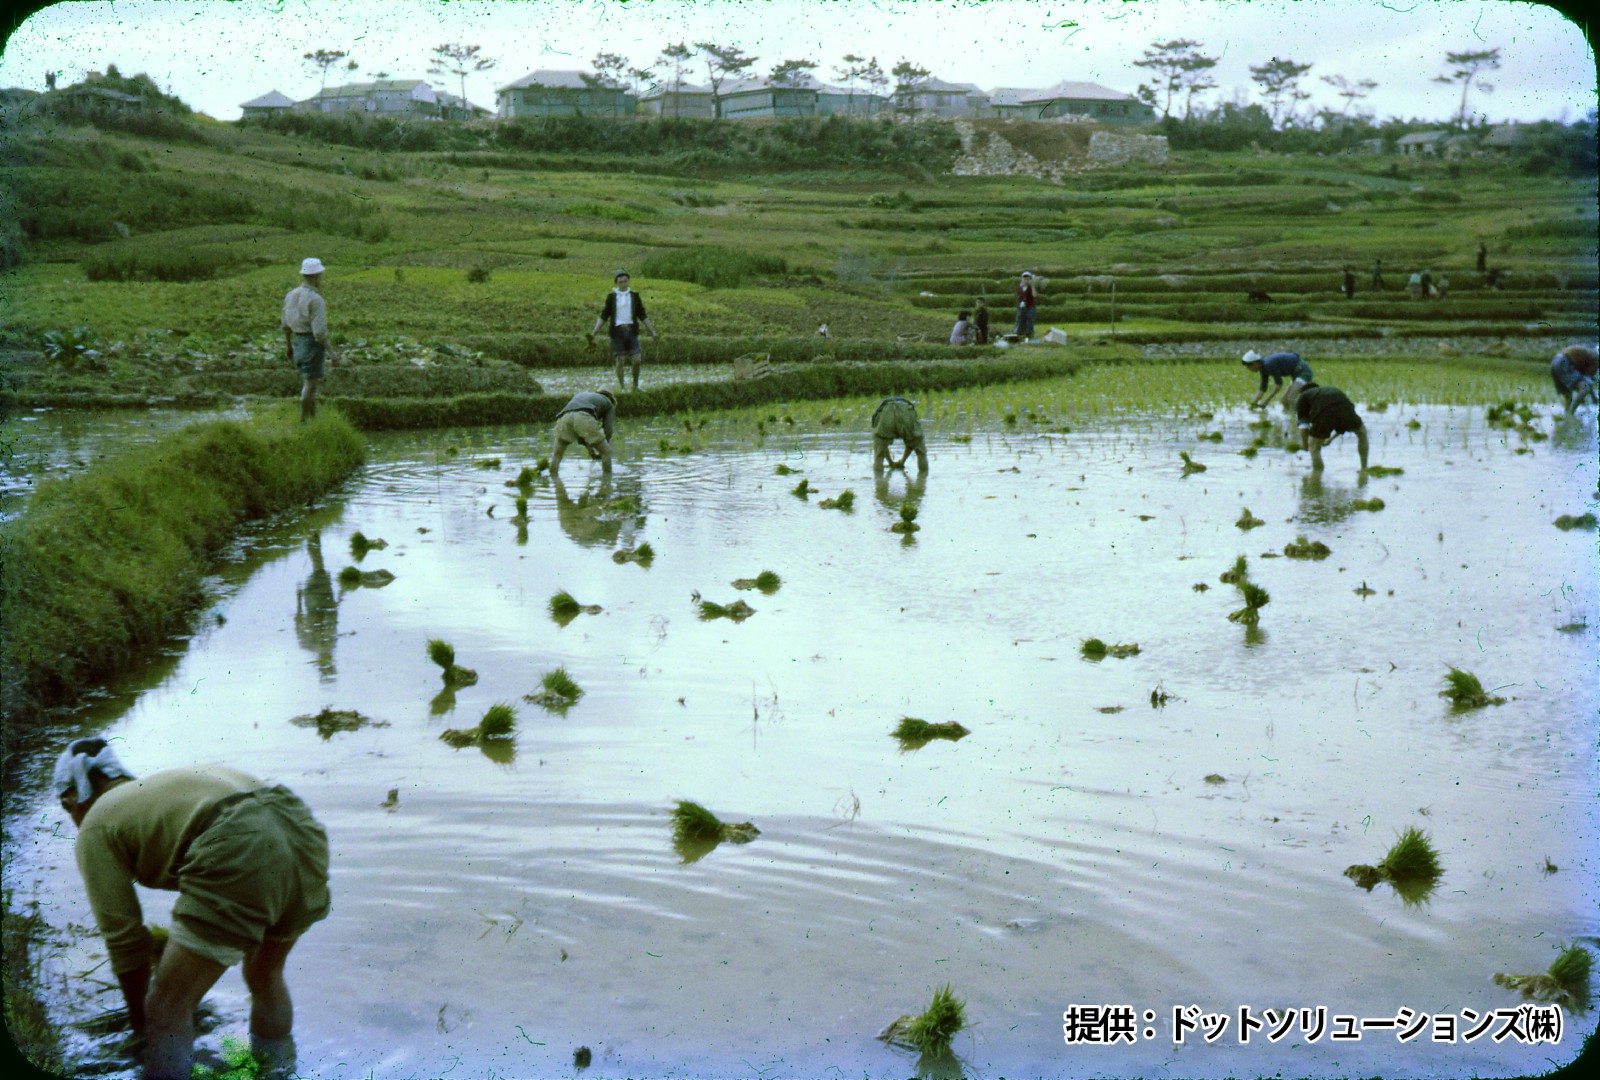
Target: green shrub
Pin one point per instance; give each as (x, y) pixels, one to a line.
(712, 267)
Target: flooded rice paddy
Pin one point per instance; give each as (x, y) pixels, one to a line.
(1157, 831)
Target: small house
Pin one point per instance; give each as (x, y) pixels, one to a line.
(271, 103)
(561, 93)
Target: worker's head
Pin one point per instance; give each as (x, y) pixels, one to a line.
(963, 316)
(311, 269)
(1251, 360)
(82, 772)
(620, 278)
(608, 395)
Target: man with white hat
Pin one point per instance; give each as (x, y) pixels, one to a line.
(250, 865)
(305, 332)
(1276, 367)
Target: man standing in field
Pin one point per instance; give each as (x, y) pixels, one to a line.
(1027, 306)
(896, 418)
(1324, 413)
(624, 311)
(250, 866)
(305, 333)
(1276, 367)
(589, 420)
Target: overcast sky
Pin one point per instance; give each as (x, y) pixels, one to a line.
(216, 54)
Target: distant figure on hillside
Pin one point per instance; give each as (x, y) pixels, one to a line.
(1427, 284)
(1349, 284)
(1494, 279)
(1276, 367)
(963, 333)
(1483, 256)
(589, 420)
(980, 320)
(1443, 288)
(1027, 301)
(1323, 414)
(1573, 372)
(305, 333)
(896, 418)
(624, 311)
(1377, 273)
(50, 84)
(1414, 286)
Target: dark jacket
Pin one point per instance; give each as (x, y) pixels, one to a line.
(609, 311)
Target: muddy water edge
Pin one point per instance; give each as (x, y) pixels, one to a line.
(1082, 845)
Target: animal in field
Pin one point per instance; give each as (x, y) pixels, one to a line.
(1259, 296)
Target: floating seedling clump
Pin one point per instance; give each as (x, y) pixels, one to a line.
(1095, 649)
(564, 608)
(915, 734)
(499, 723)
(696, 830)
(1307, 549)
(1383, 470)
(1465, 691)
(1189, 464)
(767, 581)
(353, 577)
(360, 545)
(1373, 504)
(802, 489)
(1411, 866)
(929, 1032)
(908, 519)
(330, 722)
(845, 501)
(784, 470)
(557, 691)
(1240, 571)
(444, 654)
(1255, 598)
(738, 611)
(642, 555)
(1582, 521)
(1567, 983)
(1248, 521)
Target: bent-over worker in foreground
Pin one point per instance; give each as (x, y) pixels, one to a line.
(589, 420)
(1323, 413)
(250, 866)
(896, 418)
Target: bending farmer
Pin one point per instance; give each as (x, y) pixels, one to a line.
(589, 420)
(1276, 367)
(1573, 372)
(1324, 413)
(624, 311)
(250, 866)
(896, 418)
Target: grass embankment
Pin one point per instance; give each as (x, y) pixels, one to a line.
(104, 565)
(27, 1021)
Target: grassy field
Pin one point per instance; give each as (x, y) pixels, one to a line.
(460, 272)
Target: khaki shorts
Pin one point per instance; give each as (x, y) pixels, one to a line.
(259, 871)
(579, 427)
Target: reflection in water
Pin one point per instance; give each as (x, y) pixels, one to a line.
(316, 611)
(600, 515)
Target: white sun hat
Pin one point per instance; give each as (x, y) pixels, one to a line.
(312, 265)
(1250, 357)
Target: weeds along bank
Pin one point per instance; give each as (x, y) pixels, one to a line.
(105, 565)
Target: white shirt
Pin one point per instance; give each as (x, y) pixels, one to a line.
(305, 312)
(624, 307)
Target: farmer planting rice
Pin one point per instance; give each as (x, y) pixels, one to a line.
(1573, 372)
(624, 311)
(1324, 412)
(896, 418)
(250, 866)
(1275, 367)
(305, 332)
(588, 420)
